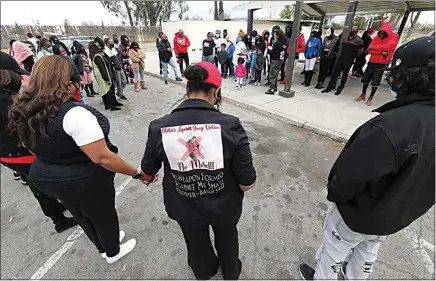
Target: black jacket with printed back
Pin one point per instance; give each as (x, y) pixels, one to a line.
(206, 156)
(384, 178)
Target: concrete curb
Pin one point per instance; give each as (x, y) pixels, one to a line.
(291, 120)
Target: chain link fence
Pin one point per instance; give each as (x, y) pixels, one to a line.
(18, 32)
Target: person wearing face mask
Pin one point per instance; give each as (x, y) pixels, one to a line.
(327, 56)
(103, 74)
(271, 44)
(277, 55)
(352, 46)
(208, 46)
(55, 41)
(181, 45)
(218, 41)
(208, 167)
(313, 47)
(381, 50)
(120, 78)
(166, 58)
(137, 57)
(83, 65)
(384, 179)
(45, 48)
(123, 51)
(287, 39)
(361, 59)
(76, 162)
(116, 42)
(18, 158)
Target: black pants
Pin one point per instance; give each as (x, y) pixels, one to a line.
(160, 64)
(258, 75)
(224, 70)
(50, 206)
(183, 58)
(201, 257)
(231, 67)
(341, 66)
(326, 65)
(109, 99)
(91, 201)
(359, 63)
(215, 60)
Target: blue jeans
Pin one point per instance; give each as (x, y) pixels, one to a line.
(173, 65)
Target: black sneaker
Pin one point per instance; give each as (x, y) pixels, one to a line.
(118, 104)
(17, 176)
(64, 224)
(337, 93)
(166, 82)
(271, 92)
(114, 108)
(179, 79)
(306, 272)
(326, 90)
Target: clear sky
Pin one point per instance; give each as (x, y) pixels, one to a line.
(55, 12)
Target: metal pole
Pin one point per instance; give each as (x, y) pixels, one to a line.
(349, 22)
(250, 21)
(403, 23)
(287, 92)
(321, 23)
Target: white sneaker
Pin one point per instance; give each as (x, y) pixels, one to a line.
(122, 235)
(125, 249)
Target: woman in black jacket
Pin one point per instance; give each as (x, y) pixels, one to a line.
(207, 168)
(83, 65)
(76, 162)
(19, 159)
(55, 41)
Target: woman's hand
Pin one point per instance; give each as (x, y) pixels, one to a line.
(147, 179)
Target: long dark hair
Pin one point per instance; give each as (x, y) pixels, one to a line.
(48, 89)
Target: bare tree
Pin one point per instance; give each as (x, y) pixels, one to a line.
(182, 8)
(272, 12)
(413, 21)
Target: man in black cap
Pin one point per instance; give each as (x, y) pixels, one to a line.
(384, 179)
(17, 158)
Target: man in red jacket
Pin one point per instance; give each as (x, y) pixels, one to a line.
(381, 50)
(181, 44)
(301, 45)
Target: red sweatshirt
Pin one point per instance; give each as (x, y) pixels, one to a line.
(379, 45)
(301, 45)
(179, 48)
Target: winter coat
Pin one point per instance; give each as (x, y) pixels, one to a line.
(301, 45)
(240, 51)
(384, 178)
(313, 47)
(328, 46)
(222, 56)
(180, 48)
(164, 54)
(379, 45)
(102, 73)
(278, 50)
(230, 51)
(137, 58)
(240, 71)
(260, 61)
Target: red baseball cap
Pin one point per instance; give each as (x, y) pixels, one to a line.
(214, 76)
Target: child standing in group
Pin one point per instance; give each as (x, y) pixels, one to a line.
(230, 51)
(222, 58)
(240, 72)
(260, 62)
(253, 55)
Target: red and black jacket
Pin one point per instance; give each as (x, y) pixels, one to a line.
(10, 152)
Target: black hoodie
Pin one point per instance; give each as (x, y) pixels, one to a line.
(384, 178)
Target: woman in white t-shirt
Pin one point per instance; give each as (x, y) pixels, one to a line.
(76, 162)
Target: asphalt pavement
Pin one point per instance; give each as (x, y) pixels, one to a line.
(281, 224)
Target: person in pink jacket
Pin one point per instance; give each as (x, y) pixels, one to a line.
(240, 72)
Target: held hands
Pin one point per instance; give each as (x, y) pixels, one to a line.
(146, 179)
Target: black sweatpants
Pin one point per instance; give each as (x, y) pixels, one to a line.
(201, 257)
(258, 75)
(326, 64)
(50, 206)
(91, 201)
(360, 63)
(183, 58)
(341, 66)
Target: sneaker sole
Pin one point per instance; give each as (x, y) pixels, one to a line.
(121, 240)
(134, 245)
